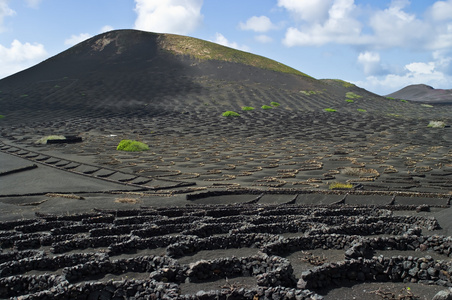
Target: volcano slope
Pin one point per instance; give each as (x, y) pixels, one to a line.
(331, 190)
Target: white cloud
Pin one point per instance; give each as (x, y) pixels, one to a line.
(430, 73)
(393, 27)
(168, 16)
(5, 11)
(106, 28)
(75, 39)
(33, 3)
(370, 62)
(20, 56)
(264, 39)
(441, 10)
(258, 24)
(340, 27)
(222, 40)
(419, 68)
(307, 10)
(384, 28)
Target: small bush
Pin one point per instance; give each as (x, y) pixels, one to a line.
(330, 110)
(360, 172)
(338, 185)
(436, 124)
(2, 116)
(131, 146)
(344, 83)
(309, 93)
(361, 110)
(404, 101)
(276, 104)
(390, 98)
(247, 108)
(427, 105)
(230, 113)
(394, 115)
(352, 95)
(266, 107)
(349, 100)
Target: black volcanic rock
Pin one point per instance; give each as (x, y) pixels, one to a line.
(127, 70)
(130, 73)
(423, 93)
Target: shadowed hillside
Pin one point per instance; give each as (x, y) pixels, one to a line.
(128, 72)
(423, 93)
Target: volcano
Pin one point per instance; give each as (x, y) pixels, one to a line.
(129, 72)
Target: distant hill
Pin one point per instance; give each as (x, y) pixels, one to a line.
(423, 93)
(136, 73)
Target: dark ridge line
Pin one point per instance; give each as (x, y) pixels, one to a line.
(178, 183)
(245, 191)
(17, 170)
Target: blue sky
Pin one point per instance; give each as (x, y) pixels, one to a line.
(380, 45)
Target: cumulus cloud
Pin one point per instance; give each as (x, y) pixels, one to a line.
(431, 73)
(262, 38)
(169, 16)
(20, 56)
(222, 40)
(106, 28)
(5, 11)
(75, 39)
(33, 3)
(338, 21)
(393, 27)
(370, 61)
(310, 11)
(258, 24)
(340, 27)
(441, 10)
(78, 38)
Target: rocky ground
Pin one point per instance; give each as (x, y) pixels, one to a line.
(237, 208)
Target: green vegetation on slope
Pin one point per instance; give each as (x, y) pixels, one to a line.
(351, 95)
(204, 50)
(132, 146)
(345, 84)
(230, 113)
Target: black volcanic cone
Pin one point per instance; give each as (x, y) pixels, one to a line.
(423, 93)
(121, 72)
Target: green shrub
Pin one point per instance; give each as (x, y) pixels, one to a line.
(349, 100)
(230, 113)
(2, 116)
(394, 115)
(436, 124)
(247, 108)
(427, 105)
(352, 95)
(275, 104)
(309, 93)
(132, 146)
(390, 98)
(361, 110)
(330, 110)
(403, 101)
(338, 185)
(266, 107)
(344, 83)
(23, 96)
